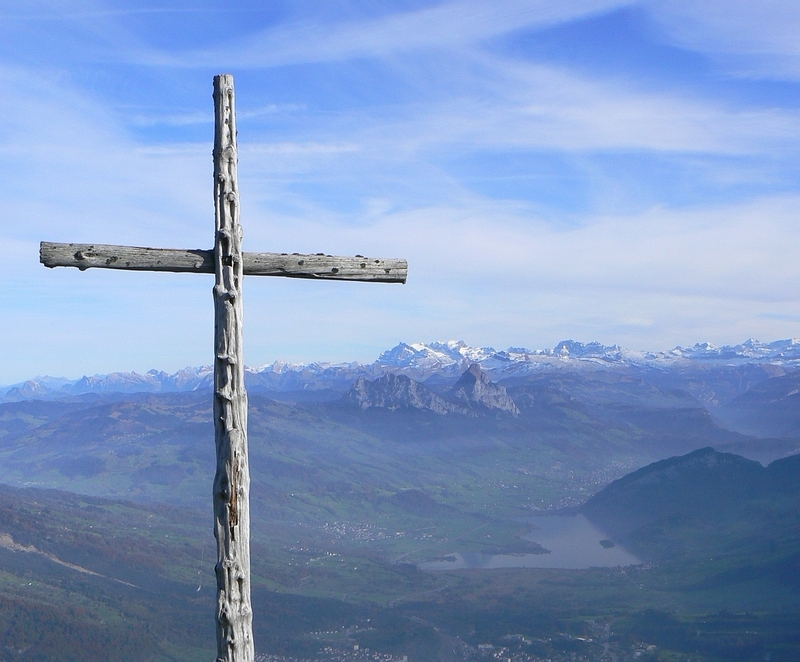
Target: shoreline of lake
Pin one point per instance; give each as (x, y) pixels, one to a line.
(568, 542)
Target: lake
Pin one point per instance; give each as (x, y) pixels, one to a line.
(573, 541)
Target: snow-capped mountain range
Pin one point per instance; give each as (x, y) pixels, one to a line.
(434, 362)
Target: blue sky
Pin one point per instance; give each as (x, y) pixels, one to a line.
(617, 171)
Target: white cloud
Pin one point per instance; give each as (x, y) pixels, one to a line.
(548, 107)
(487, 102)
(493, 274)
(751, 38)
(78, 177)
(207, 117)
(442, 26)
(741, 252)
(305, 148)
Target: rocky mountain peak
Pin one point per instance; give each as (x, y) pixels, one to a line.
(27, 391)
(476, 389)
(398, 392)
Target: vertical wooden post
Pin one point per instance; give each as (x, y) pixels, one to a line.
(232, 479)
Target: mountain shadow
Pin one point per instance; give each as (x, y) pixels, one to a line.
(703, 481)
(420, 503)
(703, 505)
(768, 409)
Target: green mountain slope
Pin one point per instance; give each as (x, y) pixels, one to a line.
(730, 519)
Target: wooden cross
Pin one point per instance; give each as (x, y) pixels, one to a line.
(228, 264)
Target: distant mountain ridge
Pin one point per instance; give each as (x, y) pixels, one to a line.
(436, 362)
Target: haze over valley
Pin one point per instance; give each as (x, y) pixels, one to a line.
(415, 492)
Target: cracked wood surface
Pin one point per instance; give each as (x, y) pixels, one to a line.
(290, 265)
(232, 479)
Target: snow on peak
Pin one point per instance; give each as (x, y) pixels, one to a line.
(420, 361)
(433, 357)
(750, 350)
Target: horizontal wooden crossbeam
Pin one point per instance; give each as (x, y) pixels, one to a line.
(289, 265)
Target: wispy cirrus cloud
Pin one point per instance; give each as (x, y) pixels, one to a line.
(751, 39)
(662, 275)
(535, 106)
(437, 27)
(78, 173)
(186, 119)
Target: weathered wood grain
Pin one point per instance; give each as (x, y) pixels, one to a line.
(132, 258)
(232, 479)
(326, 267)
(290, 265)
